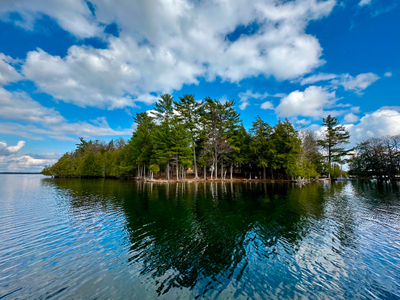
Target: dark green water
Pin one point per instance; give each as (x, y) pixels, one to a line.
(109, 239)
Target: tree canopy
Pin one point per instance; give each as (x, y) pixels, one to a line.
(184, 134)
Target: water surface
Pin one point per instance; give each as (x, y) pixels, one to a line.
(102, 239)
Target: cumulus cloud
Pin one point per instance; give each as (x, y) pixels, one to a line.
(72, 15)
(10, 161)
(384, 121)
(388, 74)
(165, 44)
(267, 105)
(351, 118)
(243, 105)
(310, 103)
(8, 150)
(358, 83)
(26, 163)
(8, 73)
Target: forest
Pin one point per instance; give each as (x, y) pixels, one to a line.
(377, 157)
(208, 140)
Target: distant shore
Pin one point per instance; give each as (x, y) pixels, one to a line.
(21, 173)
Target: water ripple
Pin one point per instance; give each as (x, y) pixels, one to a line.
(78, 239)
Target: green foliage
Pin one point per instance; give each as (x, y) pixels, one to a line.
(261, 143)
(334, 136)
(377, 157)
(185, 133)
(154, 168)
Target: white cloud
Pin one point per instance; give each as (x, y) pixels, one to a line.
(310, 103)
(8, 73)
(8, 150)
(72, 15)
(384, 121)
(9, 161)
(19, 106)
(351, 118)
(267, 105)
(317, 77)
(388, 74)
(246, 96)
(358, 83)
(350, 83)
(25, 163)
(364, 2)
(64, 131)
(165, 44)
(243, 105)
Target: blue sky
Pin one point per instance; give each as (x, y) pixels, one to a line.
(79, 68)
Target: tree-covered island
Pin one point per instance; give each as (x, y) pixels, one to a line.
(208, 139)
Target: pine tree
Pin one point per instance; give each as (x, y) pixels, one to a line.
(285, 146)
(333, 137)
(261, 143)
(164, 108)
(141, 145)
(188, 110)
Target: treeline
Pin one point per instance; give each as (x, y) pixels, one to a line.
(208, 137)
(377, 157)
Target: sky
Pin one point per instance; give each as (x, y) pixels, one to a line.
(76, 68)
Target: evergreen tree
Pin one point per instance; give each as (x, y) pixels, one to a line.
(261, 143)
(333, 137)
(141, 145)
(164, 108)
(180, 146)
(285, 148)
(188, 110)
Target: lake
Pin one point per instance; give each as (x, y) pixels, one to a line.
(112, 239)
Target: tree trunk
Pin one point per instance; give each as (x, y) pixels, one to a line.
(151, 175)
(222, 169)
(177, 169)
(272, 174)
(196, 176)
(231, 170)
(167, 171)
(216, 169)
(264, 174)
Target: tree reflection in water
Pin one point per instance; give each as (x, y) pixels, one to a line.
(205, 236)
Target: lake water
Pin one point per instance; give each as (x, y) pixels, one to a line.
(111, 239)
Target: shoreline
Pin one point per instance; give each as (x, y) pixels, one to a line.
(192, 180)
